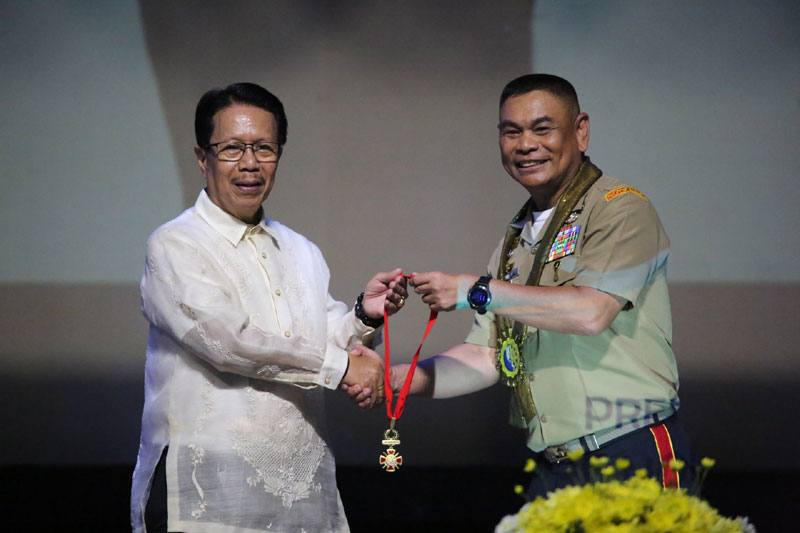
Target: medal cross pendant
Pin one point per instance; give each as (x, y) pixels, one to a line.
(390, 460)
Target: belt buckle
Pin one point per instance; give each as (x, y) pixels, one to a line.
(554, 454)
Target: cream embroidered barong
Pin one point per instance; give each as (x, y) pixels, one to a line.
(243, 336)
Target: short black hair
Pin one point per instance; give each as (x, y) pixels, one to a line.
(554, 85)
(215, 100)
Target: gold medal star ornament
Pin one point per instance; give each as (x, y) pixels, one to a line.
(511, 367)
(390, 460)
(508, 358)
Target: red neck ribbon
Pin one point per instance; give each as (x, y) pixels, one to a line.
(401, 399)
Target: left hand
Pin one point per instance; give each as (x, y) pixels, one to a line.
(442, 291)
(386, 289)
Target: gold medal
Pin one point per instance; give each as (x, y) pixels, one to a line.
(390, 460)
(508, 358)
(511, 367)
(509, 361)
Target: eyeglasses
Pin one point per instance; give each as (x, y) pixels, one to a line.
(264, 151)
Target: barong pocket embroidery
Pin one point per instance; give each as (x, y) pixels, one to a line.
(279, 443)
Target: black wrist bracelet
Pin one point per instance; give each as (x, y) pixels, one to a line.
(362, 316)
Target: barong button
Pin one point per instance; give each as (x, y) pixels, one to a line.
(545, 419)
(264, 255)
(287, 334)
(327, 381)
(531, 376)
(278, 292)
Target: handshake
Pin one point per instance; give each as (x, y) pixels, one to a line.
(364, 380)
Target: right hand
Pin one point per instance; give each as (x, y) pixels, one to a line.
(364, 379)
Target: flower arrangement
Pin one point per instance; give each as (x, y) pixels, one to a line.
(638, 504)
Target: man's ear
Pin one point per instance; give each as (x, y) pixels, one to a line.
(582, 131)
(202, 161)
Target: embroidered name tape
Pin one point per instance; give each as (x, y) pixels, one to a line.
(610, 195)
(565, 243)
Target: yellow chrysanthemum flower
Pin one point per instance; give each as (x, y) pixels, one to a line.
(608, 471)
(576, 455)
(622, 463)
(638, 505)
(676, 464)
(598, 462)
(518, 489)
(708, 462)
(641, 473)
(530, 466)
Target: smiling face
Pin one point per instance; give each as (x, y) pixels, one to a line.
(239, 187)
(541, 143)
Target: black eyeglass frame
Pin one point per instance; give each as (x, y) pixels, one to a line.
(277, 152)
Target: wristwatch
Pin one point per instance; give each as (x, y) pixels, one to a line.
(479, 296)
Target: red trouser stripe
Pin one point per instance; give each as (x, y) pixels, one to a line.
(667, 454)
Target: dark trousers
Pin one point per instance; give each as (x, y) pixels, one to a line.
(155, 513)
(639, 447)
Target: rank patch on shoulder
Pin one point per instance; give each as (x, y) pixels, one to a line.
(565, 243)
(610, 195)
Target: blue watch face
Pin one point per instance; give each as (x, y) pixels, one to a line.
(478, 296)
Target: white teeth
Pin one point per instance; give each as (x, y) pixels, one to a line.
(526, 164)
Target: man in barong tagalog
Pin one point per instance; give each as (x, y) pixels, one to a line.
(244, 337)
(573, 313)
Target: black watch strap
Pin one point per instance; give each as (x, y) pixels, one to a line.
(483, 285)
(362, 316)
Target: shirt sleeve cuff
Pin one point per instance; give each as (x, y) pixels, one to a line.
(360, 333)
(333, 367)
(483, 330)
